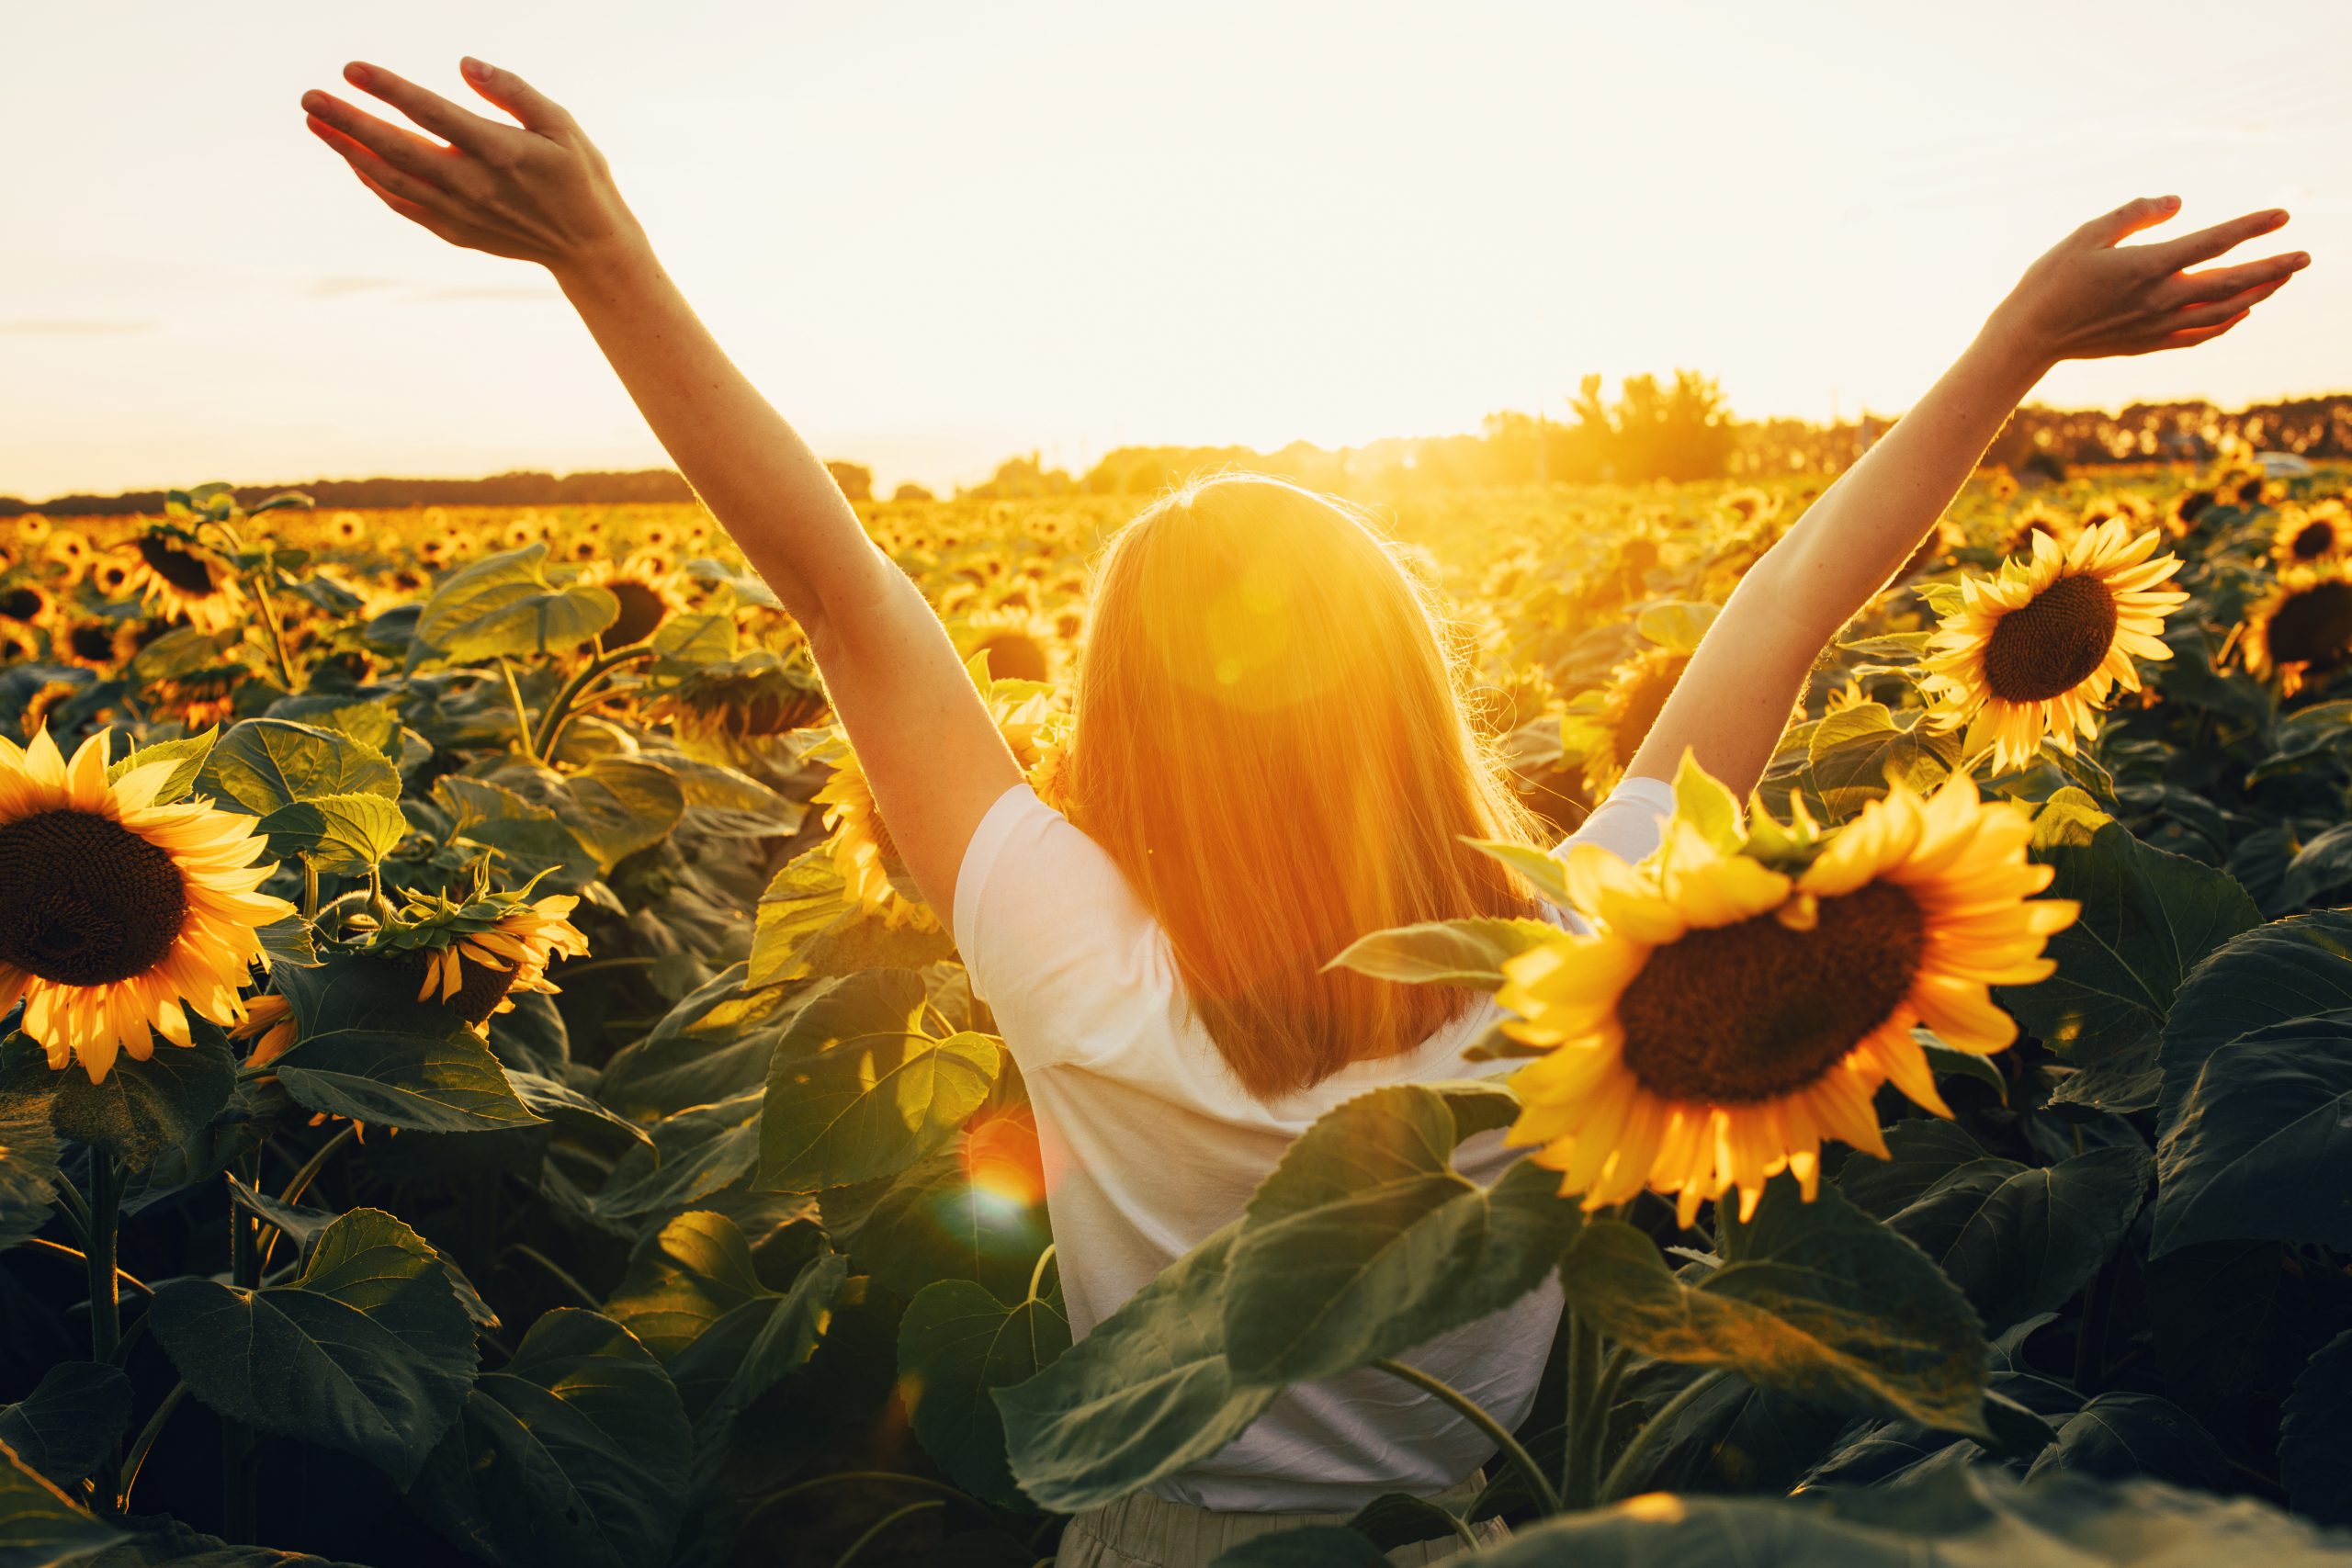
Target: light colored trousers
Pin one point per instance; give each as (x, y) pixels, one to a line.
(1144, 1531)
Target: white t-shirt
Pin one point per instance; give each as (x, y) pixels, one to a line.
(1150, 1143)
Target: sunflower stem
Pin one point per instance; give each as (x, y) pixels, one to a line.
(284, 661)
(309, 890)
(105, 1295)
(238, 1493)
(1584, 1376)
(1628, 1465)
(1591, 1434)
(558, 711)
(521, 714)
(1477, 1415)
(147, 1436)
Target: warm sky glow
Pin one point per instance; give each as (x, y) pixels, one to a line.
(937, 233)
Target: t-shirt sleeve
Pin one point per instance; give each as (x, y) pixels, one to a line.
(1052, 937)
(1629, 823)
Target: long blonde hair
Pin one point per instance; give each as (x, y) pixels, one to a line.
(1269, 740)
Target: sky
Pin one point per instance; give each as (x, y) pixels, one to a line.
(940, 233)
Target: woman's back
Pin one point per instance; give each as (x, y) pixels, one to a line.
(1150, 1143)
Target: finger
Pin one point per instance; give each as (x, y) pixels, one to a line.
(2223, 310)
(2207, 243)
(2195, 335)
(2221, 282)
(2112, 227)
(461, 128)
(415, 212)
(525, 103)
(404, 150)
(382, 174)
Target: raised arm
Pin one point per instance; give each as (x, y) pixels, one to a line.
(2089, 298)
(539, 191)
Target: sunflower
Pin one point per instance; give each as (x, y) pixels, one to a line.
(117, 914)
(271, 1018)
(2186, 509)
(2303, 536)
(346, 528)
(1613, 722)
(650, 591)
(1727, 1014)
(2302, 626)
(98, 644)
(2031, 521)
(69, 550)
(18, 645)
(1020, 646)
(2039, 647)
(474, 953)
(115, 573)
(177, 577)
(27, 604)
(862, 852)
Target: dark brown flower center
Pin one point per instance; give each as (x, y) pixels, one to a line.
(184, 570)
(642, 612)
(480, 988)
(2313, 627)
(1016, 656)
(84, 900)
(20, 603)
(2046, 647)
(1746, 1012)
(93, 641)
(2312, 541)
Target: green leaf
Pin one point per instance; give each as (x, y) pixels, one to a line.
(187, 757)
(2148, 918)
(727, 802)
(808, 929)
(141, 1109)
(27, 1159)
(372, 723)
(264, 763)
(956, 1342)
(1399, 1519)
(860, 1088)
(1543, 873)
(695, 1153)
(697, 637)
(2021, 1240)
(2315, 1436)
(368, 1049)
(1818, 1301)
(1365, 1242)
(508, 605)
(544, 1098)
(338, 832)
(366, 1351)
(621, 806)
(2253, 1147)
(1706, 802)
(41, 1525)
(935, 1221)
(1860, 752)
(1145, 1395)
(71, 1422)
(2119, 1436)
(1676, 623)
(576, 1451)
(1445, 953)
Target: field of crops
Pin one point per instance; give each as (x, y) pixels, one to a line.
(482, 1088)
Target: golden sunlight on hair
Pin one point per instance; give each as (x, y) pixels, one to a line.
(1269, 740)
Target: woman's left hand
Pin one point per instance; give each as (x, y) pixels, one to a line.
(2093, 296)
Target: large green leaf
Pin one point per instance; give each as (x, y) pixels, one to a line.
(940, 1218)
(41, 1526)
(1923, 1152)
(509, 604)
(368, 1350)
(72, 1420)
(2148, 918)
(1142, 1396)
(27, 1163)
(265, 763)
(1956, 1517)
(693, 1155)
(2257, 1074)
(1857, 753)
(370, 1050)
(693, 1295)
(2121, 1435)
(621, 806)
(1364, 1241)
(957, 1343)
(712, 1044)
(337, 832)
(2315, 1436)
(2020, 1240)
(1446, 953)
(1816, 1300)
(186, 755)
(807, 928)
(560, 1102)
(139, 1109)
(863, 1084)
(577, 1451)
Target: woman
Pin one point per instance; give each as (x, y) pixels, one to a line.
(1267, 759)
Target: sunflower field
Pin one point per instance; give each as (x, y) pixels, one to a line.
(478, 1086)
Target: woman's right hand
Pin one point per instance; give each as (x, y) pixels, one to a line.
(538, 191)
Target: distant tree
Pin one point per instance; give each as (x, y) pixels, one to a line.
(911, 491)
(855, 479)
(1022, 479)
